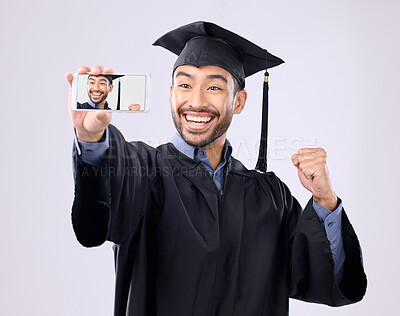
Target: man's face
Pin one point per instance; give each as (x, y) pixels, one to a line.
(98, 88)
(202, 102)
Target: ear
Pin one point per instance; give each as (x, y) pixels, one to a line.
(171, 91)
(240, 101)
(110, 88)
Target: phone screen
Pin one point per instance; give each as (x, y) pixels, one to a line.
(112, 92)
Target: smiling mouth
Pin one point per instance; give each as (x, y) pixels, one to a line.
(96, 94)
(198, 120)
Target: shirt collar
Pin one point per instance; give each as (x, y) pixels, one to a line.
(192, 151)
(96, 106)
(91, 103)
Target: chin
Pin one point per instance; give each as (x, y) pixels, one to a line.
(199, 140)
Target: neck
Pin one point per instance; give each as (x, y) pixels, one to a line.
(102, 104)
(215, 151)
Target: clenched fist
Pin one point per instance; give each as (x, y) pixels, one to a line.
(314, 175)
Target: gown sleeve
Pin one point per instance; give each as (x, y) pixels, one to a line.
(312, 265)
(110, 199)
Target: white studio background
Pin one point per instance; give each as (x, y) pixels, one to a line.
(338, 89)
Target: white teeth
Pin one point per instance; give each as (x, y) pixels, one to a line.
(198, 119)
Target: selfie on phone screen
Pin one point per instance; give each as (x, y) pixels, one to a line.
(115, 92)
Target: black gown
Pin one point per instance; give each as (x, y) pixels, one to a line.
(182, 248)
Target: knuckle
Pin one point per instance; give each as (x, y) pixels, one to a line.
(307, 171)
(322, 151)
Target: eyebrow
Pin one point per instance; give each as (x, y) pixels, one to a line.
(90, 78)
(214, 76)
(184, 74)
(218, 77)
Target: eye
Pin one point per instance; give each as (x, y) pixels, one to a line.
(184, 85)
(214, 88)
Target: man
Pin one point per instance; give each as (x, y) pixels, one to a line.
(195, 232)
(98, 88)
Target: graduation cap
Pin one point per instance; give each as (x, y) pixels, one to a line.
(110, 77)
(204, 43)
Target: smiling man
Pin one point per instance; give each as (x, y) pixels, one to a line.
(203, 101)
(98, 88)
(194, 231)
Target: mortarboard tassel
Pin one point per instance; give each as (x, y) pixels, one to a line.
(262, 152)
(119, 96)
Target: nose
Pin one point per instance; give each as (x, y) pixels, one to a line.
(197, 98)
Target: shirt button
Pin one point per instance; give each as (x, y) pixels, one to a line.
(330, 224)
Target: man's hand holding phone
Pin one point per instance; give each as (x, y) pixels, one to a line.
(89, 125)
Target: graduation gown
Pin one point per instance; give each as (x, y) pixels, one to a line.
(87, 106)
(183, 248)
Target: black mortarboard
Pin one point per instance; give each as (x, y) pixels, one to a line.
(110, 77)
(203, 43)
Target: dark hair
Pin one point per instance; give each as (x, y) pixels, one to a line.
(108, 79)
(236, 86)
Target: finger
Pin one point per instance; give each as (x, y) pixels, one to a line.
(69, 77)
(307, 150)
(83, 70)
(97, 70)
(311, 159)
(108, 70)
(295, 160)
(319, 166)
(94, 122)
(317, 150)
(134, 107)
(302, 176)
(307, 156)
(97, 122)
(103, 118)
(309, 172)
(311, 155)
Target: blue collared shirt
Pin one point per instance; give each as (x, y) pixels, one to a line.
(93, 105)
(97, 106)
(331, 222)
(199, 154)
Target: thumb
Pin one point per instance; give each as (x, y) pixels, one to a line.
(69, 77)
(103, 118)
(295, 160)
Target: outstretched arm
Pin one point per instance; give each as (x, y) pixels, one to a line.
(110, 192)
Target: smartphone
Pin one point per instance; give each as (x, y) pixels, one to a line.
(122, 92)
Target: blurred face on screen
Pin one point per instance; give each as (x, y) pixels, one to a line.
(98, 88)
